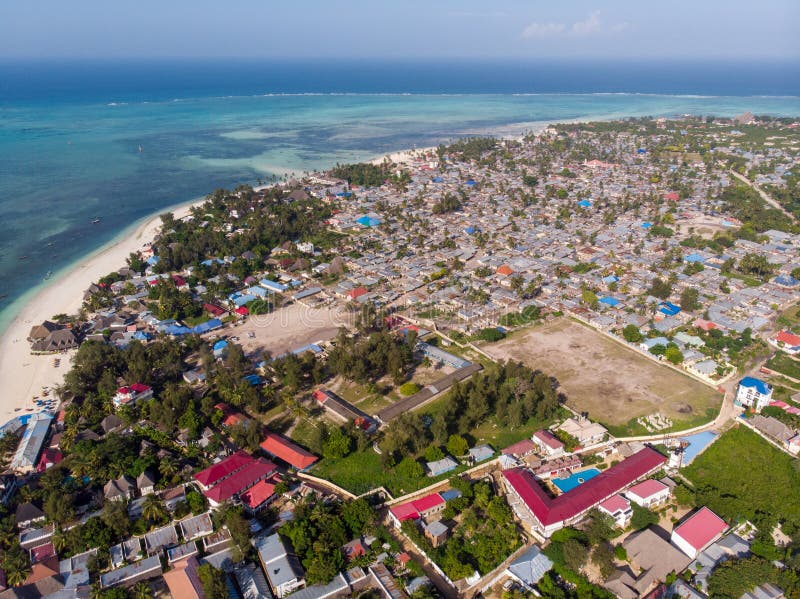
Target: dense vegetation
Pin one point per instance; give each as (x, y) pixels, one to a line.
(363, 174)
(470, 148)
(319, 530)
(746, 205)
(483, 537)
(743, 476)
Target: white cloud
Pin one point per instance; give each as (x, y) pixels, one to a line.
(591, 24)
(540, 30)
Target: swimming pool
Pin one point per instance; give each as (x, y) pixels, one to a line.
(575, 479)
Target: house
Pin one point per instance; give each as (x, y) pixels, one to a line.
(252, 582)
(546, 514)
(753, 393)
(216, 473)
(619, 508)
(131, 574)
(283, 449)
(232, 487)
(260, 494)
(355, 548)
(439, 467)
(648, 493)
(27, 454)
(788, 342)
(27, 515)
(436, 532)
(547, 443)
(146, 482)
(584, 430)
(131, 394)
(765, 591)
(283, 569)
(56, 341)
(172, 497)
(183, 580)
(119, 490)
(520, 449)
(416, 509)
(480, 453)
(698, 531)
(529, 568)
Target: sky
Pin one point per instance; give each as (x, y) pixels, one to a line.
(376, 29)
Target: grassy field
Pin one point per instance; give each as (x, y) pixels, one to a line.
(784, 364)
(613, 383)
(742, 475)
(362, 471)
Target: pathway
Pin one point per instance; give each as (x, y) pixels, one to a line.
(764, 196)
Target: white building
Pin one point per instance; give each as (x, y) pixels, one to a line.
(753, 393)
(648, 493)
(619, 508)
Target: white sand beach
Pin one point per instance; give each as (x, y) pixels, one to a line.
(22, 375)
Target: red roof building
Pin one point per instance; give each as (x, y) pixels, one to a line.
(648, 493)
(672, 196)
(230, 417)
(416, 508)
(520, 448)
(242, 311)
(213, 309)
(356, 293)
(787, 338)
(260, 494)
(285, 450)
(50, 457)
(547, 442)
(240, 481)
(132, 394)
(505, 270)
(618, 508)
(216, 473)
(698, 531)
(705, 325)
(547, 514)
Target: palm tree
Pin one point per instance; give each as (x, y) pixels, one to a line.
(167, 467)
(153, 509)
(59, 540)
(141, 590)
(17, 566)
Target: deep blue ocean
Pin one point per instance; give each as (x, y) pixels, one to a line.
(70, 132)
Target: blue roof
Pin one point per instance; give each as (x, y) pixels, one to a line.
(368, 221)
(272, 285)
(641, 151)
(343, 194)
(668, 308)
(584, 203)
(211, 261)
(787, 280)
(450, 494)
(694, 257)
(646, 225)
(221, 344)
(471, 182)
(437, 179)
(609, 301)
(209, 325)
(470, 230)
(253, 379)
(152, 260)
(759, 385)
(610, 279)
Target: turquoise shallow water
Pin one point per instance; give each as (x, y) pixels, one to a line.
(67, 158)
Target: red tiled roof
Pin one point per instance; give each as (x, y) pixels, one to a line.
(647, 488)
(357, 292)
(241, 480)
(788, 338)
(415, 507)
(214, 310)
(701, 528)
(242, 311)
(550, 511)
(259, 492)
(672, 195)
(287, 451)
(519, 448)
(42, 552)
(505, 270)
(548, 439)
(229, 465)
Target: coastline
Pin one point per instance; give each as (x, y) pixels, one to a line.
(23, 375)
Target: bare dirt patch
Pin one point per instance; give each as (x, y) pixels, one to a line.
(610, 381)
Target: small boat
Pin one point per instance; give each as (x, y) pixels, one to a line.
(23, 257)
(96, 220)
(141, 149)
(48, 275)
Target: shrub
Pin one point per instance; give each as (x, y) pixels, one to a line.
(409, 388)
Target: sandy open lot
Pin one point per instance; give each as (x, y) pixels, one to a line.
(289, 328)
(611, 382)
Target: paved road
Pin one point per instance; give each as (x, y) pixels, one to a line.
(764, 195)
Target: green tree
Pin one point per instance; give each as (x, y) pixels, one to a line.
(457, 445)
(642, 517)
(632, 334)
(213, 582)
(410, 468)
(690, 299)
(673, 354)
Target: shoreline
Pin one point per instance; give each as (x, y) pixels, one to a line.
(24, 375)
